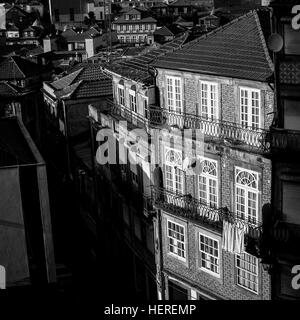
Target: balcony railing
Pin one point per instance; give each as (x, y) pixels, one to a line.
(128, 115)
(188, 207)
(232, 133)
(285, 140)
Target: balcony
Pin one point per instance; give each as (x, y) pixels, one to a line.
(232, 134)
(188, 207)
(283, 140)
(124, 114)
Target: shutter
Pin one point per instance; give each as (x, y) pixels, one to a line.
(158, 177)
(291, 202)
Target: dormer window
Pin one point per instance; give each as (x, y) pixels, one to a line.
(127, 17)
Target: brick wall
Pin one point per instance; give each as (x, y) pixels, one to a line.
(229, 109)
(224, 287)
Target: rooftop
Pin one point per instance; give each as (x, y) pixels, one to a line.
(137, 68)
(17, 68)
(84, 80)
(237, 49)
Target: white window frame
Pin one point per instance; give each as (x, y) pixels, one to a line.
(174, 94)
(247, 190)
(172, 241)
(132, 101)
(218, 257)
(246, 274)
(174, 175)
(246, 108)
(121, 97)
(208, 179)
(211, 104)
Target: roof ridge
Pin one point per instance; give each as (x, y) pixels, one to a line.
(225, 26)
(263, 40)
(15, 62)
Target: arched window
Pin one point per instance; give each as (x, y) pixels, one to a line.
(173, 157)
(208, 183)
(173, 171)
(246, 195)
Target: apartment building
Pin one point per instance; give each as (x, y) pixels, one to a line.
(282, 251)
(79, 46)
(221, 87)
(123, 187)
(72, 12)
(135, 26)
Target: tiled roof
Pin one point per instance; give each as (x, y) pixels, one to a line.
(18, 68)
(137, 68)
(85, 80)
(145, 17)
(236, 50)
(88, 34)
(142, 20)
(8, 90)
(181, 3)
(164, 31)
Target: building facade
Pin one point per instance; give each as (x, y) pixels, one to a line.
(135, 27)
(282, 252)
(230, 109)
(73, 12)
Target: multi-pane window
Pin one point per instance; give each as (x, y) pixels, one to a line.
(173, 173)
(174, 179)
(250, 107)
(121, 93)
(246, 190)
(209, 254)
(132, 101)
(209, 100)
(176, 239)
(174, 94)
(208, 183)
(247, 271)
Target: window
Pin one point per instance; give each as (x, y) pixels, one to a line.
(56, 15)
(208, 183)
(246, 193)
(209, 254)
(209, 100)
(132, 101)
(134, 39)
(247, 271)
(176, 239)
(290, 202)
(174, 176)
(177, 292)
(121, 94)
(174, 95)
(71, 14)
(250, 107)
(174, 179)
(140, 27)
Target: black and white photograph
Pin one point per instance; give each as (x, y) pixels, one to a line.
(150, 153)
